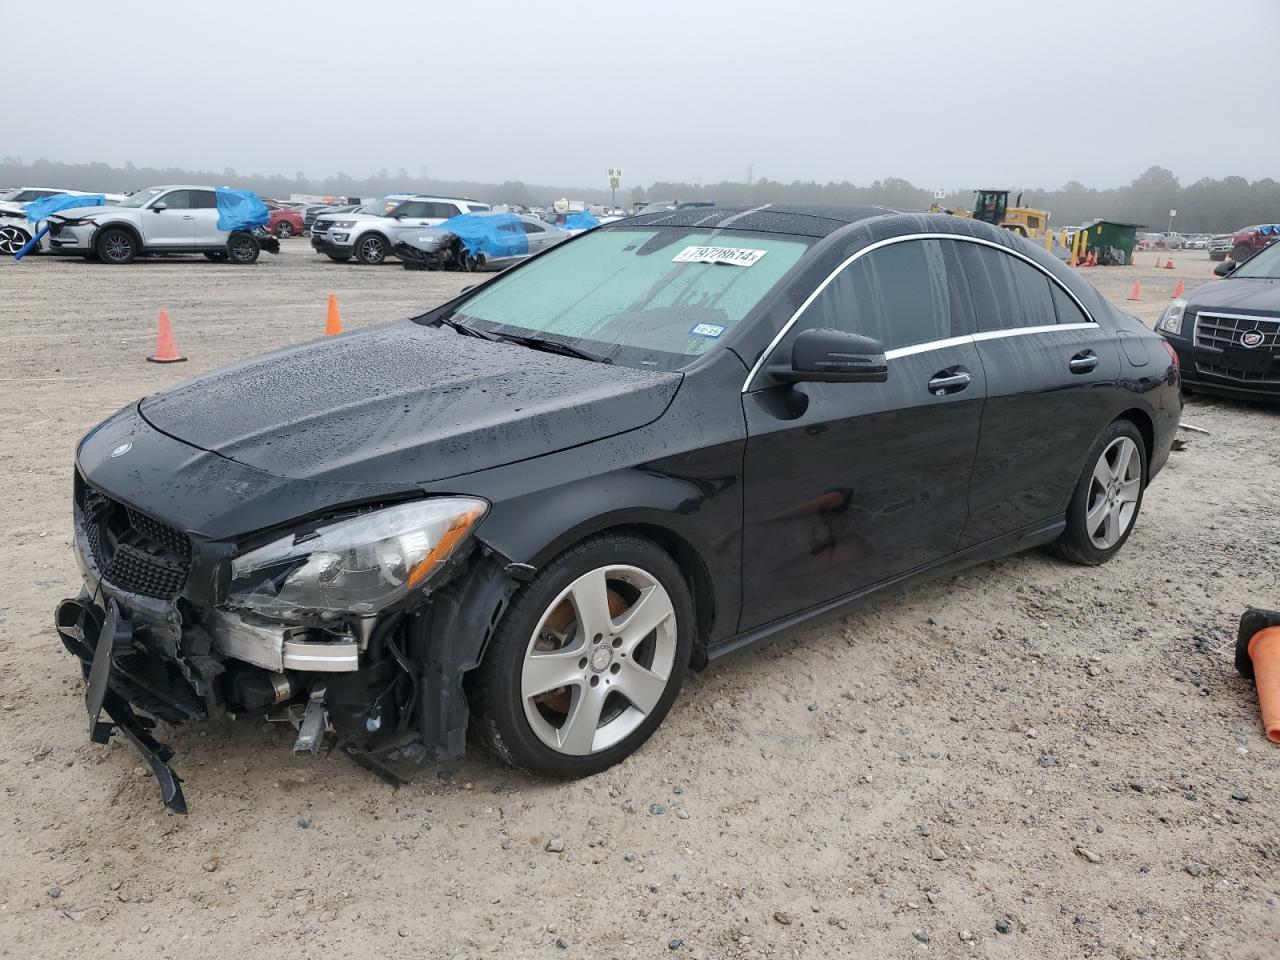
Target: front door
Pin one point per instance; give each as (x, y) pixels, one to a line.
(850, 484)
(1050, 376)
(169, 221)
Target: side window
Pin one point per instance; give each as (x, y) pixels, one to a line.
(897, 294)
(1008, 293)
(532, 227)
(1068, 312)
(440, 209)
(205, 200)
(414, 208)
(177, 200)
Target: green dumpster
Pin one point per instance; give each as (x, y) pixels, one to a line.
(1111, 242)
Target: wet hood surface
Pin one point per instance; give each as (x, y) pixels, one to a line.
(404, 403)
(1238, 294)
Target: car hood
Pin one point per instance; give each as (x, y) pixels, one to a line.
(404, 403)
(72, 213)
(1238, 293)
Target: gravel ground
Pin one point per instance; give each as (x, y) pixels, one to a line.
(1028, 760)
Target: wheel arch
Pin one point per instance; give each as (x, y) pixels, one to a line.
(1146, 426)
(124, 225)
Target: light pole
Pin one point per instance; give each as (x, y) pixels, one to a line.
(615, 179)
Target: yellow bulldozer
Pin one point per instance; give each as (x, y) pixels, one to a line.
(992, 206)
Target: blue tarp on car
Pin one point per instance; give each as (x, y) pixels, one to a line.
(38, 210)
(489, 235)
(581, 221)
(240, 209)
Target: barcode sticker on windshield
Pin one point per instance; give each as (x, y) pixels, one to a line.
(738, 256)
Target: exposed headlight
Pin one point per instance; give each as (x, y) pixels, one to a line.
(342, 224)
(1171, 320)
(359, 565)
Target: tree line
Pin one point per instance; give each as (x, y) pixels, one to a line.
(1206, 206)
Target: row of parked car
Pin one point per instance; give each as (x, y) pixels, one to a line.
(422, 231)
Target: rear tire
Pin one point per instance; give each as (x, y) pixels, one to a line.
(243, 249)
(116, 246)
(1108, 497)
(371, 250)
(618, 683)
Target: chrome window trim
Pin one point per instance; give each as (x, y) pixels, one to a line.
(928, 345)
(931, 344)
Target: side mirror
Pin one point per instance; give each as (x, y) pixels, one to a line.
(834, 356)
(160, 207)
(1224, 268)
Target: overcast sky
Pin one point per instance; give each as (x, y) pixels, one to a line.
(1016, 93)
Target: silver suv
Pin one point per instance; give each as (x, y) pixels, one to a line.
(170, 219)
(368, 233)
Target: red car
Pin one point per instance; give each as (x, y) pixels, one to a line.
(285, 221)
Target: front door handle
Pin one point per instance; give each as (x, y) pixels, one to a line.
(189, 216)
(949, 381)
(1083, 362)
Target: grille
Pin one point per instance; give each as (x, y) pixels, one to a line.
(1234, 360)
(320, 226)
(133, 551)
(1218, 331)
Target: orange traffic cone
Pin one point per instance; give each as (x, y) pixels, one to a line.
(1264, 652)
(1177, 291)
(166, 349)
(333, 322)
(1137, 290)
(1168, 264)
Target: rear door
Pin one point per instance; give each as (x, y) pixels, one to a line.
(849, 484)
(172, 226)
(204, 209)
(1050, 375)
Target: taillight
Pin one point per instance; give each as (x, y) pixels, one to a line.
(1173, 354)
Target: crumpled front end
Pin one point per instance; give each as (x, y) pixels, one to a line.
(175, 626)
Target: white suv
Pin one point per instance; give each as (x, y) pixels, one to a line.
(15, 228)
(170, 219)
(369, 232)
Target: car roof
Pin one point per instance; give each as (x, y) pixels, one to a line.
(803, 220)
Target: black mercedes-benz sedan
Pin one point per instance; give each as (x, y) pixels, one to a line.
(533, 508)
(1227, 334)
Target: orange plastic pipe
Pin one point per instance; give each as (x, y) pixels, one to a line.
(1264, 651)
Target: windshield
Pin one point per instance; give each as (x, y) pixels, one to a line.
(142, 197)
(1264, 265)
(380, 207)
(656, 297)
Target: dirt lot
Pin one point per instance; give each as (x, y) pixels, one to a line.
(1029, 760)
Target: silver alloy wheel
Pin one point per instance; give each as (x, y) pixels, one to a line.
(12, 240)
(599, 661)
(371, 251)
(118, 247)
(1113, 493)
(284, 230)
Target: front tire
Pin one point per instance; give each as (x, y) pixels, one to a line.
(588, 658)
(116, 246)
(1107, 498)
(12, 239)
(371, 250)
(284, 229)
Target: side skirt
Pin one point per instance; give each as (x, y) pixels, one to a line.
(1016, 542)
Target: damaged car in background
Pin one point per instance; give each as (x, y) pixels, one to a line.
(478, 241)
(531, 509)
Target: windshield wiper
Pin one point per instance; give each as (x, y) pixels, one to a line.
(466, 330)
(554, 346)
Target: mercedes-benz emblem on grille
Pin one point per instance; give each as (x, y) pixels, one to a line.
(1250, 339)
(121, 450)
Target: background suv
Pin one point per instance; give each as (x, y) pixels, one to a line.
(170, 219)
(369, 232)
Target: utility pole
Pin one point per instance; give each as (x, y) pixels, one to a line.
(751, 169)
(615, 180)
(1172, 214)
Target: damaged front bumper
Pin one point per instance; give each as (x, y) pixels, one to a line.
(156, 643)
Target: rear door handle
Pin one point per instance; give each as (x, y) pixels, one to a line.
(949, 381)
(1083, 362)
